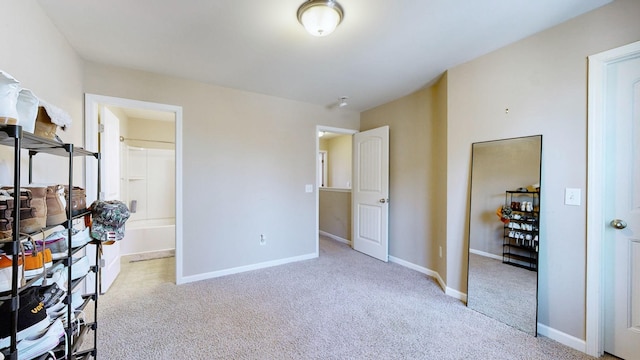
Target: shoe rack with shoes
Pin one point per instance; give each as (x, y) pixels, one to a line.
(43, 265)
(520, 238)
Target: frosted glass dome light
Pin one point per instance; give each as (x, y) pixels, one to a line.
(320, 17)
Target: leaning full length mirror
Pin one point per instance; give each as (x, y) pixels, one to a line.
(504, 218)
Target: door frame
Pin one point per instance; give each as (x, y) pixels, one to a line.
(596, 221)
(317, 162)
(91, 102)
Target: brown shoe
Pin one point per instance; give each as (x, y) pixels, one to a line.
(33, 208)
(29, 222)
(6, 215)
(25, 196)
(5, 229)
(78, 200)
(56, 213)
(39, 204)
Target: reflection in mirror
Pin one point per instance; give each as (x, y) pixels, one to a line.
(334, 160)
(503, 230)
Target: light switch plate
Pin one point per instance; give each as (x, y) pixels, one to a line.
(308, 188)
(572, 197)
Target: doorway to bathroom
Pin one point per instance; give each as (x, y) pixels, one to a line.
(140, 150)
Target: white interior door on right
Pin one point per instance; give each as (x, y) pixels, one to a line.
(622, 208)
(370, 193)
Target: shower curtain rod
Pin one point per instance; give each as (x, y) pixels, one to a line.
(122, 138)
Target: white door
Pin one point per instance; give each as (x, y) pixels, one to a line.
(370, 192)
(622, 199)
(110, 151)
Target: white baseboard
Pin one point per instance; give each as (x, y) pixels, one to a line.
(562, 338)
(241, 269)
(485, 254)
(451, 292)
(456, 294)
(335, 237)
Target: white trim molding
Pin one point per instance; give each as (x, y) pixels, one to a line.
(91, 102)
(486, 254)
(434, 274)
(563, 338)
(596, 123)
(241, 269)
(335, 237)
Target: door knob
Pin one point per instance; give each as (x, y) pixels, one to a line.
(618, 224)
(382, 201)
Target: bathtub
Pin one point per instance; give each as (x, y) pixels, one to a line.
(144, 236)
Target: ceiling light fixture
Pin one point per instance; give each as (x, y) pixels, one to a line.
(321, 133)
(343, 101)
(320, 17)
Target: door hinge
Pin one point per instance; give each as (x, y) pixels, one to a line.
(100, 128)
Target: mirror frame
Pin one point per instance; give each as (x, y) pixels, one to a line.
(540, 238)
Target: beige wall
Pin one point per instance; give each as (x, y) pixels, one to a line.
(161, 131)
(416, 225)
(335, 212)
(247, 158)
(35, 53)
(543, 82)
(339, 152)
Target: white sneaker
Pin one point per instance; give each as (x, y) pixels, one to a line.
(6, 267)
(58, 275)
(61, 315)
(80, 237)
(33, 347)
(80, 267)
(76, 300)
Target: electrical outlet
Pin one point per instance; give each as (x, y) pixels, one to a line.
(263, 239)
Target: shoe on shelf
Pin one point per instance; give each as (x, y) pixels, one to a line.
(33, 264)
(80, 237)
(33, 208)
(39, 204)
(56, 242)
(80, 267)
(6, 269)
(61, 314)
(34, 346)
(76, 300)
(51, 294)
(57, 275)
(6, 215)
(29, 223)
(48, 259)
(78, 200)
(32, 317)
(56, 204)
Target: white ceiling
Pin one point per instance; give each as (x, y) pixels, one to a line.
(383, 49)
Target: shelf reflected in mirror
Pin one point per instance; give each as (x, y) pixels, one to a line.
(504, 230)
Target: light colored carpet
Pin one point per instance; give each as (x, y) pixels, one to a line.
(503, 292)
(342, 305)
(149, 256)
